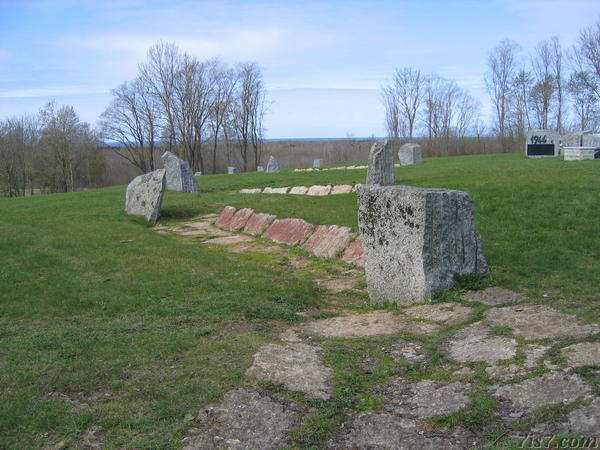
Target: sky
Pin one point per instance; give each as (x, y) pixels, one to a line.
(324, 62)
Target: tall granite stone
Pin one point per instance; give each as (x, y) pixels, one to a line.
(272, 165)
(381, 163)
(415, 241)
(144, 195)
(410, 154)
(232, 170)
(179, 175)
(317, 163)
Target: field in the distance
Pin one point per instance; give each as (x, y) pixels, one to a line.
(139, 330)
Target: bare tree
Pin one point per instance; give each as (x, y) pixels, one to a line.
(585, 101)
(586, 57)
(132, 121)
(543, 89)
(18, 141)
(558, 69)
(224, 82)
(502, 67)
(402, 99)
(392, 112)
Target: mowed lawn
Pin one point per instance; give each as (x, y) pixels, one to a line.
(138, 331)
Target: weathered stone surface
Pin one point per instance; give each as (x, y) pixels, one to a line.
(299, 190)
(376, 323)
(495, 296)
(202, 227)
(542, 143)
(585, 420)
(571, 140)
(231, 170)
(289, 231)
(590, 140)
(295, 365)
(341, 189)
(424, 398)
(179, 176)
(239, 219)
(410, 154)
(534, 353)
(354, 254)
(409, 351)
(270, 190)
(416, 240)
(477, 343)
(317, 163)
(225, 216)
(448, 313)
(580, 153)
(551, 388)
(371, 430)
(258, 223)
(260, 169)
(245, 419)
(582, 354)
(328, 240)
(381, 164)
(197, 174)
(144, 195)
(540, 322)
(229, 240)
(250, 191)
(317, 190)
(272, 165)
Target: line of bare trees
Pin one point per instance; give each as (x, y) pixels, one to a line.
(193, 108)
(51, 152)
(552, 88)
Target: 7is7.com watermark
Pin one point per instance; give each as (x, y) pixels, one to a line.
(553, 441)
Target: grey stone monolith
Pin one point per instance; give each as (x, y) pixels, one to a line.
(381, 163)
(260, 169)
(272, 165)
(590, 140)
(317, 163)
(144, 195)
(410, 154)
(179, 175)
(232, 170)
(416, 240)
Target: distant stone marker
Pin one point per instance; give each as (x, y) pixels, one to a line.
(410, 154)
(179, 175)
(317, 163)
(144, 195)
(231, 170)
(197, 174)
(272, 165)
(381, 164)
(416, 240)
(590, 140)
(260, 169)
(540, 143)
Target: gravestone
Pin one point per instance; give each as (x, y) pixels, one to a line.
(381, 163)
(197, 174)
(179, 176)
(410, 154)
(416, 240)
(317, 163)
(231, 170)
(272, 165)
(144, 195)
(541, 143)
(260, 169)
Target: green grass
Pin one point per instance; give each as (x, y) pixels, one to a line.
(95, 305)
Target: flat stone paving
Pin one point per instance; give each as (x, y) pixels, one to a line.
(582, 354)
(407, 351)
(447, 313)
(476, 342)
(495, 296)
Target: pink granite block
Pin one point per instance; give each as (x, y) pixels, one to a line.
(225, 216)
(239, 219)
(258, 223)
(327, 241)
(289, 231)
(354, 254)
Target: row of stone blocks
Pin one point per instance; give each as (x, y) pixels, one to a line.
(323, 241)
(315, 190)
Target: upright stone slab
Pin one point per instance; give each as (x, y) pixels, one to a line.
(260, 169)
(416, 240)
(590, 140)
(272, 165)
(179, 175)
(144, 195)
(317, 163)
(381, 163)
(540, 143)
(410, 154)
(231, 170)
(571, 140)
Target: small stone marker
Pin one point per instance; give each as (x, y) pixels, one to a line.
(225, 216)
(341, 189)
(270, 190)
(144, 195)
(272, 165)
(231, 170)
(410, 154)
(581, 153)
(381, 164)
(197, 174)
(289, 231)
(318, 190)
(317, 163)
(239, 219)
(327, 241)
(258, 223)
(179, 175)
(299, 190)
(539, 143)
(250, 191)
(260, 169)
(416, 240)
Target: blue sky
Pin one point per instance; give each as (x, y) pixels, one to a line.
(323, 61)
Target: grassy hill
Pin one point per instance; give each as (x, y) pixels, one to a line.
(140, 330)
